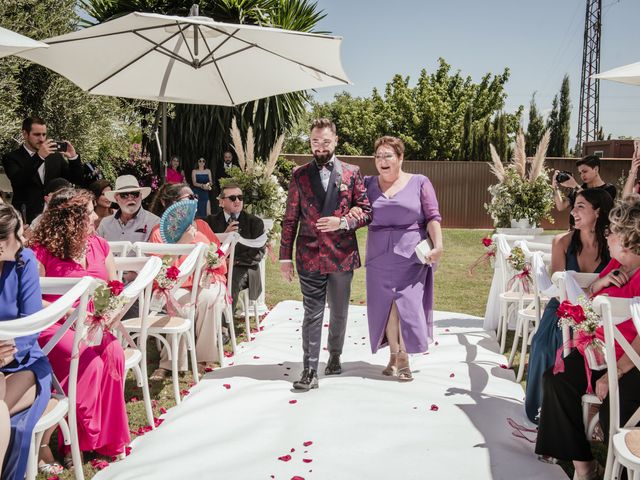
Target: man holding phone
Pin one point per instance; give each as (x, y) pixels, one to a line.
(38, 161)
(632, 185)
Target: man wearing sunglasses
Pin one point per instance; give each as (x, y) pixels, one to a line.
(232, 218)
(131, 222)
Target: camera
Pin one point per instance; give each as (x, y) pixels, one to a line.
(563, 176)
(61, 146)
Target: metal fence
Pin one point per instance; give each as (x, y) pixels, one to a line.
(461, 187)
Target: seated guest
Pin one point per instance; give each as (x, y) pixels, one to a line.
(205, 328)
(25, 372)
(583, 249)
(131, 222)
(232, 218)
(174, 172)
(103, 206)
(52, 187)
(65, 245)
(561, 432)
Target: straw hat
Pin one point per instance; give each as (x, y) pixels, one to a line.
(127, 183)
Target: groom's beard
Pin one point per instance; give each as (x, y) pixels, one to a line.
(322, 158)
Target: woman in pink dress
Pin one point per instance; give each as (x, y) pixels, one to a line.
(65, 245)
(174, 173)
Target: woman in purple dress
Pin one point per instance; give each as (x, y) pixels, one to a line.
(399, 285)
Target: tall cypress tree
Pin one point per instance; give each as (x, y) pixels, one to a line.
(535, 127)
(564, 117)
(552, 124)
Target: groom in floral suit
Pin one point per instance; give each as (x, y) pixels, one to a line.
(321, 194)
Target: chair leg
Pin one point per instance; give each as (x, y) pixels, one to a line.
(230, 325)
(504, 321)
(523, 351)
(146, 395)
(255, 312)
(218, 315)
(191, 342)
(245, 301)
(72, 441)
(615, 469)
(516, 339)
(138, 374)
(174, 366)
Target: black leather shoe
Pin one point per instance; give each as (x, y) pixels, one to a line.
(308, 380)
(333, 365)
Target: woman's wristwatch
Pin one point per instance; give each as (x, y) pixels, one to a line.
(344, 225)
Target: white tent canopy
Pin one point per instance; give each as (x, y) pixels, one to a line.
(192, 60)
(629, 74)
(12, 43)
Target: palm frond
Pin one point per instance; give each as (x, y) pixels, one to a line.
(273, 157)
(250, 151)
(496, 167)
(541, 153)
(236, 139)
(520, 156)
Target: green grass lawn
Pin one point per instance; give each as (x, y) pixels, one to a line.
(455, 290)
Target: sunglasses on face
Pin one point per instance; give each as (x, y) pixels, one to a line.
(233, 198)
(191, 196)
(124, 195)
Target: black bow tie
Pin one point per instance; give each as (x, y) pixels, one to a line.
(328, 165)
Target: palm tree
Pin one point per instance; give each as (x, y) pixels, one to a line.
(203, 130)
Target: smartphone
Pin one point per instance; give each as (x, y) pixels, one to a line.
(61, 146)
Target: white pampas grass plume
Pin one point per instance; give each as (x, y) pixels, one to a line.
(236, 139)
(273, 156)
(496, 167)
(520, 156)
(538, 160)
(250, 150)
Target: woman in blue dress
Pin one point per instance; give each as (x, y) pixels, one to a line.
(25, 373)
(202, 181)
(583, 249)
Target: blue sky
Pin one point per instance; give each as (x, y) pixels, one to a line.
(539, 40)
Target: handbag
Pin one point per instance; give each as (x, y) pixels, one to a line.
(423, 249)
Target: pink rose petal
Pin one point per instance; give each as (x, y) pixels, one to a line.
(284, 458)
(434, 408)
(307, 460)
(226, 385)
(133, 399)
(185, 392)
(163, 410)
(293, 401)
(296, 477)
(228, 354)
(307, 443)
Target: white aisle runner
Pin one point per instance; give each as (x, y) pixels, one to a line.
(246, 422)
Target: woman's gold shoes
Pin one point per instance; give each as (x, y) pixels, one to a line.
(392, 369)
(404, 370)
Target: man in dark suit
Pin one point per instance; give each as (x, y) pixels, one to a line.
(35, 164)
(232, 218)
(321, 195)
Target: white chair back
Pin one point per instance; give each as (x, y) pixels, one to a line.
(120, 248)
(228, 246)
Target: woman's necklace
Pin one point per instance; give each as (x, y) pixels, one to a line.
(80, 259)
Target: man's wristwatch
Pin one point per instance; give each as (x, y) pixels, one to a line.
(343, 224)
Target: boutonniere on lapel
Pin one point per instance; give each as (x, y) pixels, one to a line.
(343, 187)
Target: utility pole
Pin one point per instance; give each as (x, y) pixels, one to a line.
(588, 122)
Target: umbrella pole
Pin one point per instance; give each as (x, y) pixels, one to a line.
(163, 153)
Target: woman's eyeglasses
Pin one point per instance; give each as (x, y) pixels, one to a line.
(233, 198)
(191, 196)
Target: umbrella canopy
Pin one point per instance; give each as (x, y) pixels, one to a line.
(12, 43)
(192, 60)
(626, 74)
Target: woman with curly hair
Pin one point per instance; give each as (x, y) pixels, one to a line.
(25, 373)
(561, 432)
(199, 232)
(65, 245)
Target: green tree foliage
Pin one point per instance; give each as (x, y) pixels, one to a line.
(99, 127)
(559, 122)
(445, 116)
(203, 130)
(535, 128)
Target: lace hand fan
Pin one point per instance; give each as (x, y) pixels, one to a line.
(176, 219)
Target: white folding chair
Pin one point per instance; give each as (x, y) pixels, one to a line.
(244, 294)
(72, 290)
(172, 326)
(512, 297)
(140, 290)
(614, 311)
(571, 285)
(120, 248)
(528, 317)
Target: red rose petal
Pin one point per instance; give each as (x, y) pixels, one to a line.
(284, 458)
(502, 365)
(55, 477)
(185, 392)
(256, 357)
(307, 460)
(163, 410)
(293, 450)
(436, 344)
(452, 375)
(293, 401)
(133, 399)
(208, 369)
(226, 385)
(296, 477)
(434, 408)
(228, 354)
(446, 329)
(307, 443)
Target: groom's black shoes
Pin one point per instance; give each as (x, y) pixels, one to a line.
(333, 365)
(308, 380)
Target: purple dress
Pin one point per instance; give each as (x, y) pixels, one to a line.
(394, 273)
